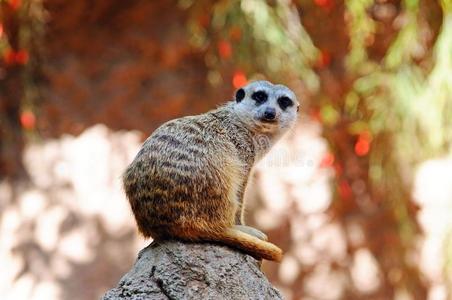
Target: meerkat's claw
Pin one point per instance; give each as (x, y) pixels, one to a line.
(253, 231)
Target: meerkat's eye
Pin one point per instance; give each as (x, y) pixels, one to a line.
(284, 102)
(259, 97)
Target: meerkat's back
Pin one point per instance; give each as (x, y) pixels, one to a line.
(182, 177)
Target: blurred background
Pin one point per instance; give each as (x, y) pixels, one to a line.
(359, 195)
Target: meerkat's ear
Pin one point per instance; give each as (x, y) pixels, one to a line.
(239, 95)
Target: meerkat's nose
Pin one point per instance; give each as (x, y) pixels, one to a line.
(269, 114)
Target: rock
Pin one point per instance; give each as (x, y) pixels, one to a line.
(178, 270)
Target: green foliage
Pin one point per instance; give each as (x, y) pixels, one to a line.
(400, 100)
(360, 28)
(272, 38)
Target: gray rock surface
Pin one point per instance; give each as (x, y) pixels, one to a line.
(177, 270)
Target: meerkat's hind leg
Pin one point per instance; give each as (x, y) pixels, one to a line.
(252, 231)
(239, 217)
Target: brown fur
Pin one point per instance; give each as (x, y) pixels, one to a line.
(187, 182)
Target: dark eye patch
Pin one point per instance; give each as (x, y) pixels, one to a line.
(284, 102)
(239, 95)
(259, 97)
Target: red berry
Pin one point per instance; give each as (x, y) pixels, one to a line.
(239, 79)
(27, 120)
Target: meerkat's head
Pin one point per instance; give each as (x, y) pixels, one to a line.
(269, 108)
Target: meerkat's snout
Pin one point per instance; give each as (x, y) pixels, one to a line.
(269, 115)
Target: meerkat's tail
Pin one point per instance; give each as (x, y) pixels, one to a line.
(232, 237)
(249, 244)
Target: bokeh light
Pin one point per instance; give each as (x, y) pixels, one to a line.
(358, 194)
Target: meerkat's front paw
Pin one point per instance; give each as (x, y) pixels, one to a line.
(252, 231)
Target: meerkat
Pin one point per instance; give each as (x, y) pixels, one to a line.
(188, 180)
